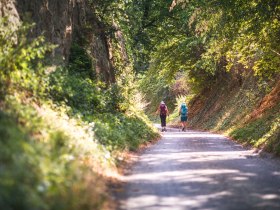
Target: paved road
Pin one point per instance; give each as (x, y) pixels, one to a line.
(201, 171)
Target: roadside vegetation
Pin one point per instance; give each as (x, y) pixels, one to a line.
(62, 132)
(248, 113)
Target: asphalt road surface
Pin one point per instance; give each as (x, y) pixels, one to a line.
(201, 171)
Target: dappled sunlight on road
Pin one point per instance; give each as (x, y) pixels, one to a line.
(178, 203)
(191, 135)
(189, 156)
(194, 175)
(200, 170)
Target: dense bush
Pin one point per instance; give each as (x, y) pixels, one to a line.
(42, 163)
(121, 132)
(105, 106)
(80, 62)
(20, 67)
(80, 93)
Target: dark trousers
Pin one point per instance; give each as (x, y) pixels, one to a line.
(163, 120)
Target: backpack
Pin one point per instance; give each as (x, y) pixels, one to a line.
(163, 110)
(184, 110)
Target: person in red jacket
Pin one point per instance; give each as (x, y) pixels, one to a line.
(163, 112)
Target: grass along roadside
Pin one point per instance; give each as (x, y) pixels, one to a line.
(262, 133)
(50, 160)
(245, 113)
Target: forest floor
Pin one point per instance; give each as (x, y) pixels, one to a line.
(200, 170)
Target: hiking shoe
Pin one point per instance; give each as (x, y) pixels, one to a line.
(183, 128)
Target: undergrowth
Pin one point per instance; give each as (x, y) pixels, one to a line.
(43, 160)
(229, 110)
(262, 133)
(117, 125)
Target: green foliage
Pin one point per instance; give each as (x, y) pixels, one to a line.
(76, 91)
(16, 167)
(19, 58)
(105, 106)
(83, 95)
(158, 90)
(79, 87)
(80, 62)
(150, 24)
(40, 169)
(252, 132)
(120, 132)
(245, 32)
(206, 38)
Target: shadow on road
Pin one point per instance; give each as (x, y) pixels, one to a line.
(199, 170)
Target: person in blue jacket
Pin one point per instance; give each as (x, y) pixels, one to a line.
(183, 112)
